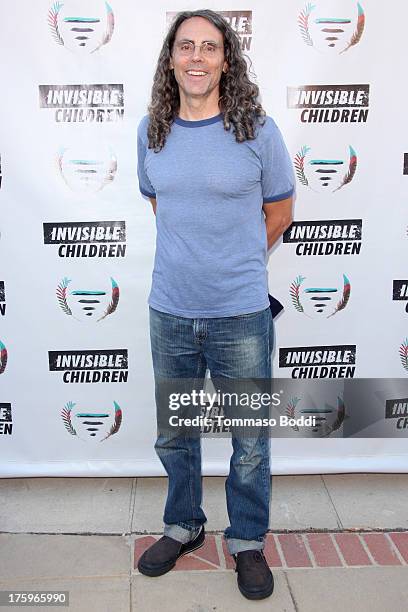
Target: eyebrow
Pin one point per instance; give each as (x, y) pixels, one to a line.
(192, 41)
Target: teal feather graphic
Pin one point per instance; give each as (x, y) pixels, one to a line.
(294, 293)
(62, 295)
(53, 22)
(303, 22)
(66, 417)
(299, 164)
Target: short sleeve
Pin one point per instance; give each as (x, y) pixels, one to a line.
(145, 185)
(278, 180)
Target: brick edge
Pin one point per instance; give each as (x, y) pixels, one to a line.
(312, 550)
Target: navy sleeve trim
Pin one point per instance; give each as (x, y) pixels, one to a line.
(281, 196)
(147, 193)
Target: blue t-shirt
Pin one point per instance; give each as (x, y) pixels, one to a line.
(211, 243)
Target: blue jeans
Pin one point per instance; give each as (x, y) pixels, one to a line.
(231, 347)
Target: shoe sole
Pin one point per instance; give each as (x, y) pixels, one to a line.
(260, 595)
(152, 573)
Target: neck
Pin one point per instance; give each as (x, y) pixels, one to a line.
(195, 109)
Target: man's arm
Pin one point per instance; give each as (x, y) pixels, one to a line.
(154, 203)
(278, 217)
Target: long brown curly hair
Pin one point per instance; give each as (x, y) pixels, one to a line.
(238, 95)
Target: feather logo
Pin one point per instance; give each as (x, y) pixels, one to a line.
(359, 30)
(3, 357)
(303, 21)
(110, 24)
(299, 164)
(341, 413)
(87, 176)
(290, 410)
(320, 166)
(117, 423)
(66, 417)
(351, 169)
(67, 420)
(294, 292)
(323, 427)
(114, 301)
(53, 22)
(52, 19)
(345, 297)
(61, 293)
(404, 354)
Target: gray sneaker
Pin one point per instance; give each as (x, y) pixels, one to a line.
(161, 557)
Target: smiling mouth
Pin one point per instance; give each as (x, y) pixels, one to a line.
(196, 73)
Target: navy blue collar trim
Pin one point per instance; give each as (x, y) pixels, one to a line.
(202, 122)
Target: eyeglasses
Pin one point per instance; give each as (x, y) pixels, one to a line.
(186, 48)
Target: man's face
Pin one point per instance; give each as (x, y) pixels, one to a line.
(198, 30)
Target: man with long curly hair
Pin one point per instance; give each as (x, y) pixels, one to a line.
(221, 183)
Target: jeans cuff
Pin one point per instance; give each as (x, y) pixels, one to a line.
(181, 534)
(235, 545)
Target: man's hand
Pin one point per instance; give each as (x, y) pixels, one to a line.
(278, 217)
(154, 204)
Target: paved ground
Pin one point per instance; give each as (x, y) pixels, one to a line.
(337, 542)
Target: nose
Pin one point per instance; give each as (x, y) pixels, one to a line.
(197, 55)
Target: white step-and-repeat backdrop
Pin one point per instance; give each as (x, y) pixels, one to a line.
(77, 239)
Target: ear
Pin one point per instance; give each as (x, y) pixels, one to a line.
(171, 65)
(225, 67)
